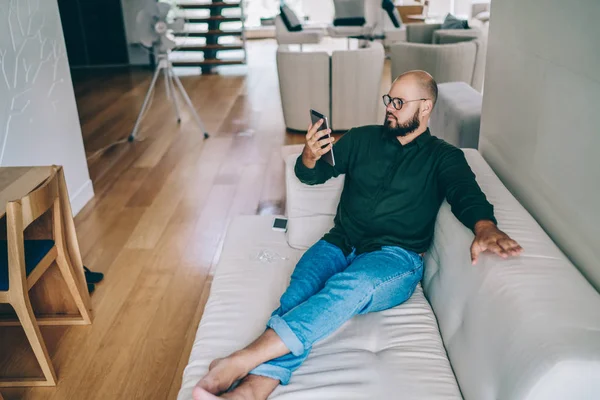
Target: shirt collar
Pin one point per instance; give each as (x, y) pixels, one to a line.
(422, 138)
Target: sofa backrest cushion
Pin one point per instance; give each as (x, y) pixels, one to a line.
(520, 328)
(304, 83)
(290, 19)
(456, 116)
(449, 36)
(421, 33)
(310, 209)
(359, 103)
(447, 62)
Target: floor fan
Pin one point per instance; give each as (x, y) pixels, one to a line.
(153, 24)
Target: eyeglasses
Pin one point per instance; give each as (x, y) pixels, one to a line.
(396, 102)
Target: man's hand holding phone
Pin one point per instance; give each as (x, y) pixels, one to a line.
(315, 141)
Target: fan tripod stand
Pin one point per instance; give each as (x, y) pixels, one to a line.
(165, 65)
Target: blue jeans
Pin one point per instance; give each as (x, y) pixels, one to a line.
(327, 289)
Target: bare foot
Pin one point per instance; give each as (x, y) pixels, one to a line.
(222, 373)
(253, 387)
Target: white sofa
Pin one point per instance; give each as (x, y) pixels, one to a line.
(523, 328)
(515, 329)
(318, 80)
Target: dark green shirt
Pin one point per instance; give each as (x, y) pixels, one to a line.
(392, 193)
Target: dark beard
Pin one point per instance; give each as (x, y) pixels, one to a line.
(401, 130)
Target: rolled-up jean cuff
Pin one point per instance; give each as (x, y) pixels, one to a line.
(288, 337)
(273, 372)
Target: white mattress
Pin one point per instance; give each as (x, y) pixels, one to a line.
(393, 354)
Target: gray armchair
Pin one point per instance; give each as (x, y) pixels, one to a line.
(304, 83)
(308, 35)
(355, 85)
(449, 55)
(298, 33)
(377, 22)
(344, 85)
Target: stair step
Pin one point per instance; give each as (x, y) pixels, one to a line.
(213, 62)
(188, 5)
(216, 32)
(218, 47)
(218, 18)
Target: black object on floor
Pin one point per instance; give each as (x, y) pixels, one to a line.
(92, 277)
(91, 288)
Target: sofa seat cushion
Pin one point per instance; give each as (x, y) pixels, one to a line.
(397, 353)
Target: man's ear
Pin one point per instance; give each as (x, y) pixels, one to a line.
(426, 108)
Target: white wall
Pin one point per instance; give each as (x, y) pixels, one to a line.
(463, 8)
(39, 124)
(540, 127)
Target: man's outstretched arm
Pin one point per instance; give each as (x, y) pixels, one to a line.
(471, 207)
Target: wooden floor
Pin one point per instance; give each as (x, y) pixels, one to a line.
(157, 222)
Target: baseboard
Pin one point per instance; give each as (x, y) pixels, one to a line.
(81, 197)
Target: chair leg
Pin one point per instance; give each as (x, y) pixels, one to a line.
(70, 235)
(74, 277)
(32, 331)
(66, 269)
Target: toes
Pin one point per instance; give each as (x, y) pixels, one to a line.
(201, 394)
(208, 384)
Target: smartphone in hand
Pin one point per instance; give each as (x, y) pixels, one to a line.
(315, 116)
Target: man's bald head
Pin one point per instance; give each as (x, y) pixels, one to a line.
(425, 86)
(409, 104)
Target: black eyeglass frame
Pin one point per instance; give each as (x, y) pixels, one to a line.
(393, 100)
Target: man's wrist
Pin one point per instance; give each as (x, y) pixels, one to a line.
(483, 224)
(308, 162)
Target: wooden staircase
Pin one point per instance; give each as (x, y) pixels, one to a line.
(214, 34)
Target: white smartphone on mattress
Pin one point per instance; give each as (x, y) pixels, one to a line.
(280, 224)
